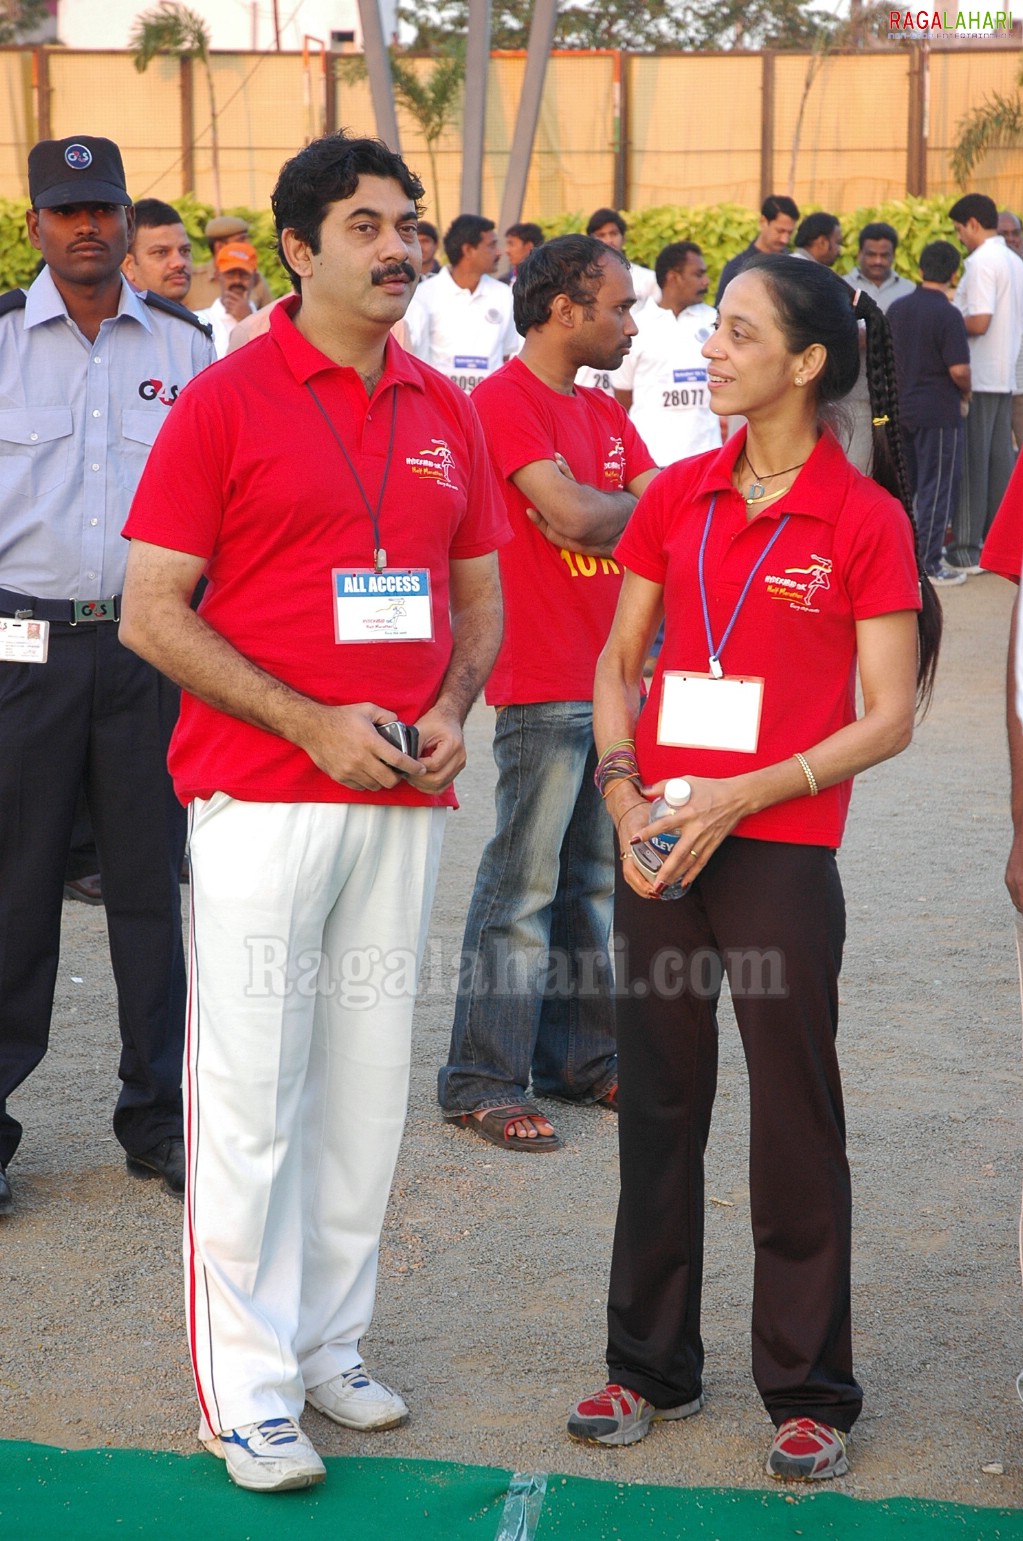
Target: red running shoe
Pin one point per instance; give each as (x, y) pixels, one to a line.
(805, 1451)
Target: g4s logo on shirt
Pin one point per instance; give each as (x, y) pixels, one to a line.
(150, 390)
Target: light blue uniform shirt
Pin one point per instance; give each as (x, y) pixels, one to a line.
(77, 422)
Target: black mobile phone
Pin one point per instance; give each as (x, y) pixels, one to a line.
(401, 735)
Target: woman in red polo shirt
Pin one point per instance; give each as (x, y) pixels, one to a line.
(779, 571)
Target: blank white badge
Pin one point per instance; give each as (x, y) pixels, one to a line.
(700, 712)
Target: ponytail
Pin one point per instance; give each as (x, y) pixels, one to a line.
(889, 470)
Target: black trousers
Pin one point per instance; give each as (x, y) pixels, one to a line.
(773, 917)
(93, 716)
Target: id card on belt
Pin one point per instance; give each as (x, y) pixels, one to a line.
(392, 605)
(23, 641)
(699, 711)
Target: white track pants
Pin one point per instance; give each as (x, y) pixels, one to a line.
(308, 926)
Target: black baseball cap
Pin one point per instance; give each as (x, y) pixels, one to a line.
(76, 170)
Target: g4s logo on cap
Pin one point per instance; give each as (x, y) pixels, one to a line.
(78, 157)
(150, 390)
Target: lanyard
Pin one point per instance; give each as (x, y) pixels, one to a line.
(379, 554)
(714, 653)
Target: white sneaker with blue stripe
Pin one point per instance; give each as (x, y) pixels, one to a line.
(269, 1457)
(357, 1401)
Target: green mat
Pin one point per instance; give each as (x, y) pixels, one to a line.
(97, 1495)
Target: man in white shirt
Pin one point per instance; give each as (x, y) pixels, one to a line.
(990, 296)
(461, 322)
(607, 225)
(1009, 226)
(237, 264)
(662, 382)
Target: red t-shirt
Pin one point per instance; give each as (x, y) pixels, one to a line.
(1003, 547)
(246, 473)
(558, 605)
(846, 554)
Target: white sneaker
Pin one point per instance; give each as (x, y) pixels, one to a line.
(268, 1457)
(357, 1401)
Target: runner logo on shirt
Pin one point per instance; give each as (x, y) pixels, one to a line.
(614, 465)
(800, 585)
(435, 465)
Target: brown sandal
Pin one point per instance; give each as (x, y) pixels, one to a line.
(495, 1123)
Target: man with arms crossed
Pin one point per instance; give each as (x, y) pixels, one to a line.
(338, 495)
(534, 998)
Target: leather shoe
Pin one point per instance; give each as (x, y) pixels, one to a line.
(6, 1197)
(89, 889)
(166, 1160)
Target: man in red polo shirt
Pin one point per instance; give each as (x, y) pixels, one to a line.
(337, 495)
(534, 1001)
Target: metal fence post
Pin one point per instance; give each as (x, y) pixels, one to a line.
(766, 124)
(541, 37)
(187, 86)
(474, 114)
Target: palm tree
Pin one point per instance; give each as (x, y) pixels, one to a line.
(171, 28)
(432, 102)
(996, 125)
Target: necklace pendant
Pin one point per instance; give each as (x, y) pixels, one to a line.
(756, 492)
(379, 559)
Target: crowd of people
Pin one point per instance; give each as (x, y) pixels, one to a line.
(665, 537)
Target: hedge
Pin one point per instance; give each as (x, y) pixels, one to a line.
(720, 230)
(19, 258)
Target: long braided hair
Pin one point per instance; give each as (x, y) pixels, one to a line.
(814, 305)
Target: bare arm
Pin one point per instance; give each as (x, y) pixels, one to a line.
(158, 623)
(560, 534)
(573, 510)
(959, 374)
(476, 625)
(1014, 868)
(887, 652)
(976, 326)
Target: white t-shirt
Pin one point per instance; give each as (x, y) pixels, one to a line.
(595, 379)
(465, 333)
(992, 285)
(644, 281)
(667, 375)
(223, 325)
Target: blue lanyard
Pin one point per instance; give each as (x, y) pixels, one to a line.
(714, 653)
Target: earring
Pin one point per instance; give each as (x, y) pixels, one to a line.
(799, 379)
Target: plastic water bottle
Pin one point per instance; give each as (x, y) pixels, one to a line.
(651, 854)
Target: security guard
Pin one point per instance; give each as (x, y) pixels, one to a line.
(88, 370)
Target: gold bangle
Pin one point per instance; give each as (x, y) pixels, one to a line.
(808, 773)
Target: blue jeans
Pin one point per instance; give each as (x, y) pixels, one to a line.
(535, 986)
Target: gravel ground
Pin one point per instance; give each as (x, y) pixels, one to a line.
(490, 1313)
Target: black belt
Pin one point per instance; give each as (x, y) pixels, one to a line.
(74, 612)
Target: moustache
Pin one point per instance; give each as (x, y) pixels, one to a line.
(399, 270)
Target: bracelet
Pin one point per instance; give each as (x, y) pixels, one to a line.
(617, 763)
(618, 821)
(808, 773)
